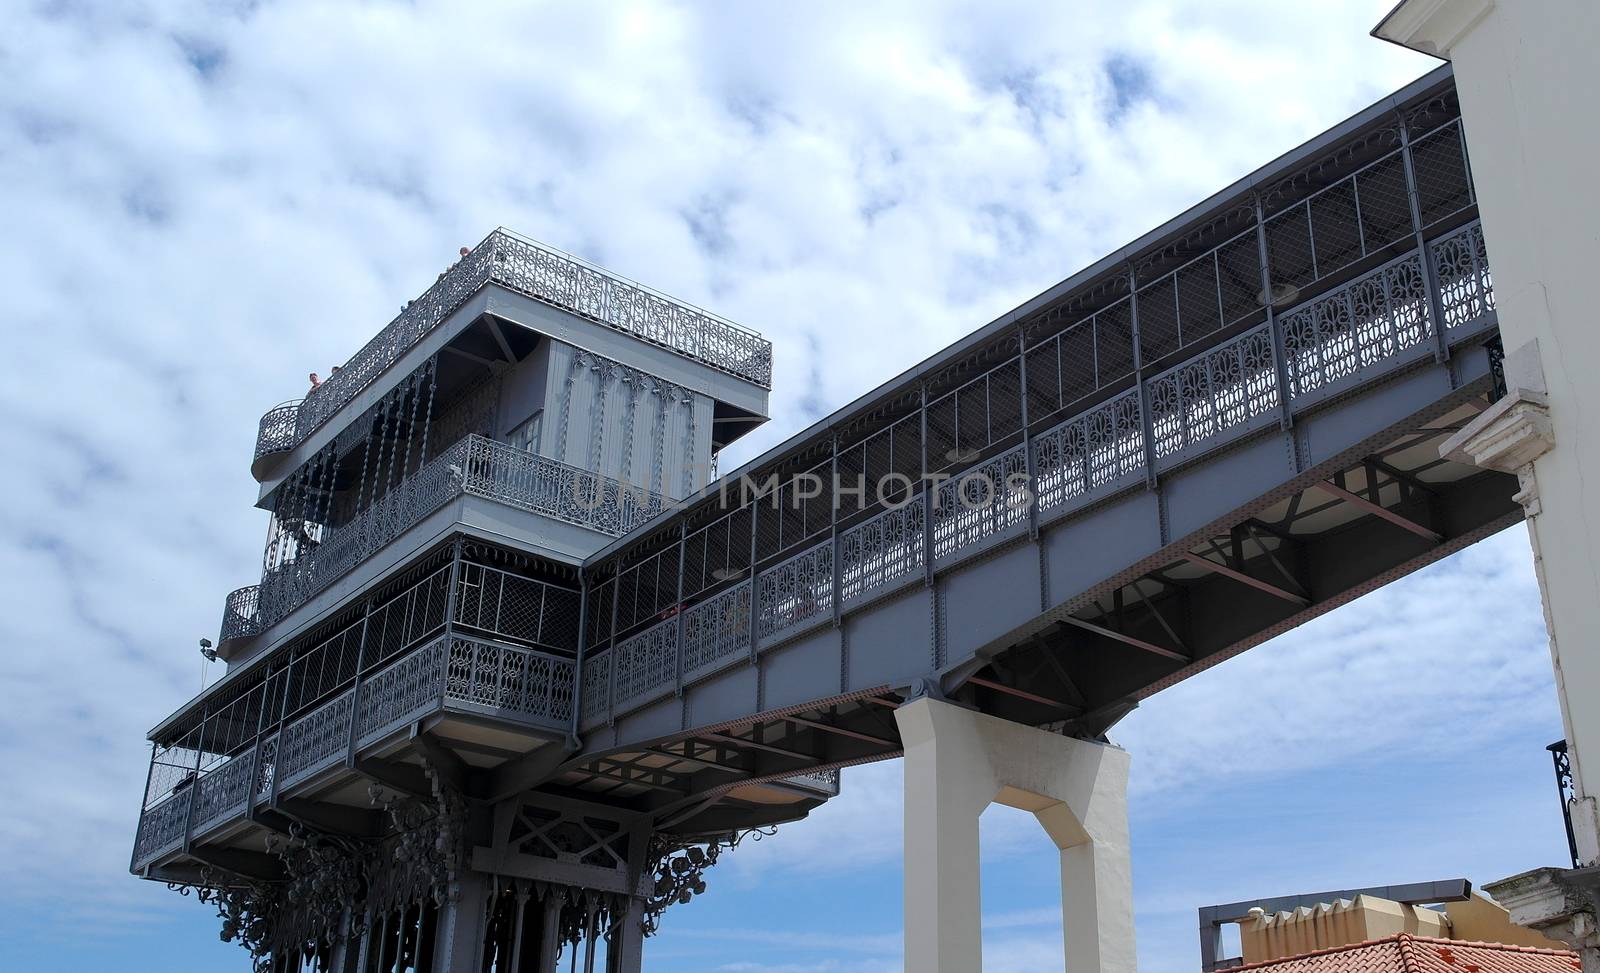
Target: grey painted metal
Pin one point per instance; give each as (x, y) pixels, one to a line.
(1204, 426)
(546, 274)
(1414, 200)
(1360, 334)
(474, 466)
(1264, 178)
(1562, 764)
(241, 614)
(277, 431)
(875, 556)
(1213, 917)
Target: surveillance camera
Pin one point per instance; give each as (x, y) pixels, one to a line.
(205, 643)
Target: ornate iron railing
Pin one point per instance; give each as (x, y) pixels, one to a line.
(1093, 451)
(1465, 290)
(222, 792)
(981, 502)
(241, 613)
(822, 781)
(596, 695)
(452, 673)
(1338, 337)
(1213, 394)
(473, 466)
(311, 743)
(1562, 762)
(795, 591)
(647, 661)
(717, 628)
(162, 827)
(503, 680)
(519, 478)
(544, 274)
(278, 429)
(1358, 332)
(880, 550)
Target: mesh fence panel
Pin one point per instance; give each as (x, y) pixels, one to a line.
(1335, 230)
(1158, 319)
(1199, 307)
(1385, 210)
(1440, 162)
(1289, 251)
(1239, 270)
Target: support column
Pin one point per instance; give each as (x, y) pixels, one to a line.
(459, 946)
(958, 762)
(550, 930)
(625, 952)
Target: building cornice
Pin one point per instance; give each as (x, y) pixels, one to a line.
(1431, 26)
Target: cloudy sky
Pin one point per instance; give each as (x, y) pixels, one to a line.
(200, 202)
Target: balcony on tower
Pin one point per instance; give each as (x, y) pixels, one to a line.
(524, 381)
(418, 626)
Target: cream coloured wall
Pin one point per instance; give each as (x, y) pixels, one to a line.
(1529, 94)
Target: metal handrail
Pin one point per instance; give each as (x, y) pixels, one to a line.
(241, 614)
(475, 466)
(545, 274)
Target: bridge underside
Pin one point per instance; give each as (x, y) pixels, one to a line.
(1367, 514)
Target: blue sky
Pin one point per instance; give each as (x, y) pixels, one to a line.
(201, 202)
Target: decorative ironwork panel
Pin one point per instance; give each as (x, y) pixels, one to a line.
(1214, 393)
(1562, 762)
(475, 465)
(717, 627)
(266, 767)
(1466, 291)
(1090, 452)
(403, 690)
(277, 432)
(981, 502)
(241, 614)
(546, 275)
(161, 828)
(316, 739)
(1373, 318)
(519, 478)
(510, 681)
(596, 686)
(617, 302)
(222, 793)
(647, 661)
(822, 781)
(795, 591)
(880, 551)
(289, 585)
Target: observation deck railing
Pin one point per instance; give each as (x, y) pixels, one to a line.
(545, 274)
(241, 614)
(1359, 332)
(474, 466)
(451, 672)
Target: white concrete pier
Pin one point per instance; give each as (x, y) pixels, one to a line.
(958, 762)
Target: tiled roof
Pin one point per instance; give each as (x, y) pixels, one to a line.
(1405, 953)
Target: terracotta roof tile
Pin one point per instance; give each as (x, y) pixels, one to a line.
(1405, 953)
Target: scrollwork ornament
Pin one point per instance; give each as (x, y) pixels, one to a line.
(680, 868)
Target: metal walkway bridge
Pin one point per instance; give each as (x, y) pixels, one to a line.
(1216, 433)
(1207, 438)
